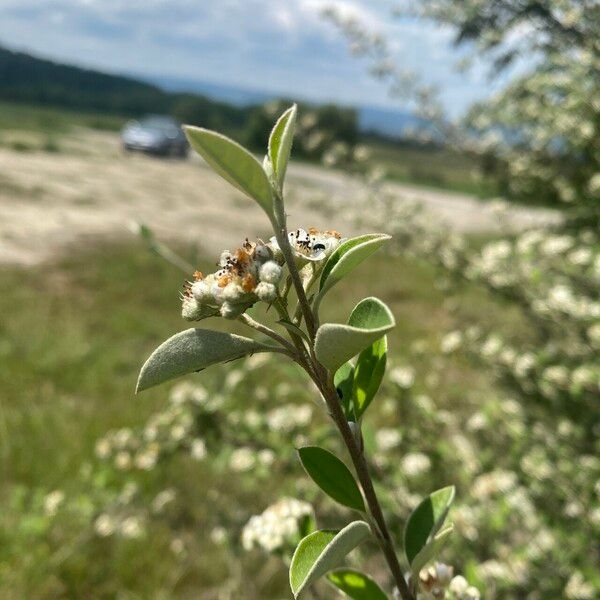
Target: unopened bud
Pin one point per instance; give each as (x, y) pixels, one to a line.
(266, 291)
(270, 272)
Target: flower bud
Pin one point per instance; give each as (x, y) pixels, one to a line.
(270, 272)
(201, 292)
(225, 256)
(190, 308)
(231, 311)
(262, 252)
(266, 291)
(217, 293)
(232, 292)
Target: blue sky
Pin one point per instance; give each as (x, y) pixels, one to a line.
(283, 47)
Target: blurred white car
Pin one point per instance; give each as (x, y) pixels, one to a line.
(155, 134)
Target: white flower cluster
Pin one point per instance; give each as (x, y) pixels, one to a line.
(130, 527)
(279, 527)
(164, 433)
(250, 274)
(438, 583)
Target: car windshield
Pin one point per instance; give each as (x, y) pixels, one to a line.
(162, 124)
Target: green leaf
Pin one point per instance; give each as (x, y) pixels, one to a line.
(346, 258)
(426, 520)
(332, 476)
(194, 350)
(323, 551)
(431, 550)
(343, 380)
(356, 585)
(234, 163)
(335, 343)
(280, 142)
(369, 372)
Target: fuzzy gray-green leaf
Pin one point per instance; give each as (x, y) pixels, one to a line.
(336, 343)
(280, 142)
(346, 258)
(323, 551)
(234, 163)
(193, 350)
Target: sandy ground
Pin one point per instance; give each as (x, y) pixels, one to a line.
(52, 203)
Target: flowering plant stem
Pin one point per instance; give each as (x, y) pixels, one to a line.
(324, 382)
(355, 351)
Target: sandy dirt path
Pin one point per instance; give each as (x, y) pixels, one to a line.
(51, 203)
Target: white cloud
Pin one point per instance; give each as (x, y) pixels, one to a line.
(284, 47)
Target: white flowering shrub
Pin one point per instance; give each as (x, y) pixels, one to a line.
(530, 445)
(345, 362)
(537, 135)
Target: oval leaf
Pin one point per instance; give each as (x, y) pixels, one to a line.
(280, 142)
(332, 476)
(234, 163)
(335, 343)
(346, 258)
(323, 551)
(194, 350)
(426, 520)
(369, 372)
(343, 380)
(431, 550)
(356, 585)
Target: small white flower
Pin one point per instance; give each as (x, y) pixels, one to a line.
(103, 448)
(266, 292)
(201, 291)
(459, 585)
(415, 464)
(146, 461)
(387, 438)
(131, 528)
(266, 457)
(232, 292)
(53, 501)
(163, 499)
(104, 525)
(198, 449)
(229, 310)
(123, 460)
(403, 377)
(241, 460)
(451, 342)
(270, 272)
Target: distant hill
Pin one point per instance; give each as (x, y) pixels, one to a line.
(25, 78)
(29, 79)
(388, 122)
(33, 80)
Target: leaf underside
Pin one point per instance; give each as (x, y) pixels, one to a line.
(323, 551)
(234, 163)
(337, 343)
(193, 350)
(280, 142)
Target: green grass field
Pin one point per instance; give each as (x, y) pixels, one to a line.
(26, 128)
(441, 168)
(71, 343)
